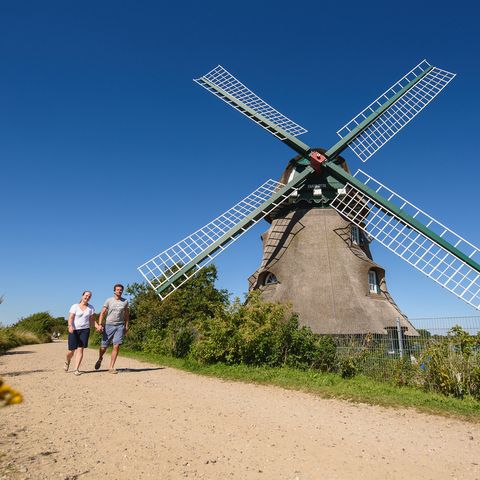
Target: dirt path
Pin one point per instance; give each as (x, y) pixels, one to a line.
(152, 422)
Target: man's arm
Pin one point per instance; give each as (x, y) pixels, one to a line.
(99, 325)
(127, 318)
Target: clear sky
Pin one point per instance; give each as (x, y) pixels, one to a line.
(110, 153)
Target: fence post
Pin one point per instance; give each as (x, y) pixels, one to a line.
(400, 338)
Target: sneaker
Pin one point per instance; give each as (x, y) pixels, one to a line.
(113, 370)
(66, 366)
(97, 365)
(77, 373)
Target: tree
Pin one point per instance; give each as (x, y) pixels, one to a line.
(168, 326)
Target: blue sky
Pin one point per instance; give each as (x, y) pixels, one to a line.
(110, 153)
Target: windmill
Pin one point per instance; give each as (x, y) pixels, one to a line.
(317, 189)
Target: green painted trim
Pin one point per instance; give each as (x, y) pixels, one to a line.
(343, 143)
(245, 223)
(340, 173)
(289, 140)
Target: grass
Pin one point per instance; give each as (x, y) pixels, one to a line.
(11, 337)
(328, 385)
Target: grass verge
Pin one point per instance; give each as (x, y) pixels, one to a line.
(11, 337)
(328, 385)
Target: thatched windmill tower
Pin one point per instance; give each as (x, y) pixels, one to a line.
(321, 264)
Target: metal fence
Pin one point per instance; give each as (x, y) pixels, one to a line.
(388, 357)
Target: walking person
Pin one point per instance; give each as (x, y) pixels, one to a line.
(79, 321)
(116, 314)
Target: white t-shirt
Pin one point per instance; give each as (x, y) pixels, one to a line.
(81, 318)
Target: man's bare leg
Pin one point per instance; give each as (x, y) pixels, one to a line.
(114, 356)
(101, 353)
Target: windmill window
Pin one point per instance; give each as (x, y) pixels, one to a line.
(270, 279)
(355, 235)
(373, 282)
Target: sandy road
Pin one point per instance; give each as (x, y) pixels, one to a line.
(153, 422)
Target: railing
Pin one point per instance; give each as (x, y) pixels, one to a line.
(391, 356)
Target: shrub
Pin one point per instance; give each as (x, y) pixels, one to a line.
(401, 372)
(452, 364)
(173, 318)
(348, 366)
(153, 342)
(42, 324)
(8, 339)
(261, 333)
(216, 339)
(36, 328)
(175, 340)
(11, 337)
(326, 354)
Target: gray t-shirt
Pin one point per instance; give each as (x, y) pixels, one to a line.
(115, 311)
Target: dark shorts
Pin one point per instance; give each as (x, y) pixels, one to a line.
(78, 339)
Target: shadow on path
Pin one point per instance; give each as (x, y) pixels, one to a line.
(123, 370)
(24, 372)
(18, 352)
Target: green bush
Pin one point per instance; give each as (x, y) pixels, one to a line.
(402, 373)
(174, 341)
(179, 338)
(167, 326)
(216, 340)
(60, 325)
(376, 364)
(261, 333)
(42, 324)
(452, 364)
(326, 354)
(348, 366)
(11, 337)
(36, 328)
(199, 321)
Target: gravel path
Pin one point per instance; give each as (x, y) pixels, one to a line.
(160, 423)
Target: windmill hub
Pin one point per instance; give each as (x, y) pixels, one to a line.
(316, 160)
(319, 188)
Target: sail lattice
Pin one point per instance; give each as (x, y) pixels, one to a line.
(397, 115)
(173, 267)
(409, 243)
(233, 87)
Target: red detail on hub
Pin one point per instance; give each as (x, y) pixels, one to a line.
(316, 160)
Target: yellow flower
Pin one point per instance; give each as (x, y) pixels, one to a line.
(9, 396)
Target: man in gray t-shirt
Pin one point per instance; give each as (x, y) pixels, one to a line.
(116, 314)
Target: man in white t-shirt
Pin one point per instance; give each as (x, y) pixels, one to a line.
(115, 309)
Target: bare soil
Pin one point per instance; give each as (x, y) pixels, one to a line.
(161, 423)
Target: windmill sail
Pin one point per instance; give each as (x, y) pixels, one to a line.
(400, 104)
(173, 267)
(226, 87)
(423, 242)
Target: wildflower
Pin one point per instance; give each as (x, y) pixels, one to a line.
(9, 396)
